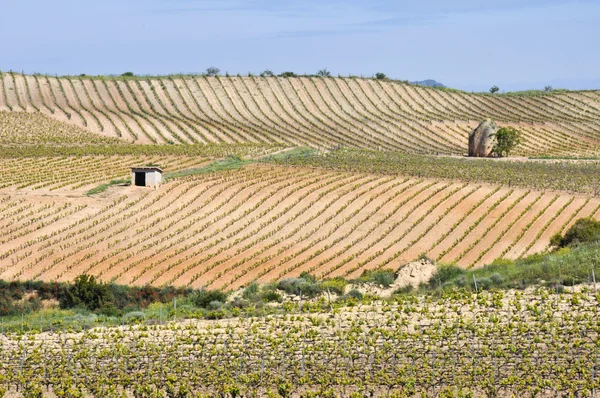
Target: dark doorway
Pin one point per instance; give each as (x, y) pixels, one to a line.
(140, 179)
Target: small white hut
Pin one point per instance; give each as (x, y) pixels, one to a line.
(146, 176)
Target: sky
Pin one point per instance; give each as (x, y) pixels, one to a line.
(465, 44)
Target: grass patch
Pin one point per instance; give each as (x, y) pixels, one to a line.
(103, 187)
(564, 267)
(229, 163)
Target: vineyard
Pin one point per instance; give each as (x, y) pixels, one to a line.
(267, 222)
(322, 113)
(494, 344)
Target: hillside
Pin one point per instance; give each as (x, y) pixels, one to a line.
(266, 222)
(362, 113)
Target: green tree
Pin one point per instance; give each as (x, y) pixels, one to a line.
(287, 74)
(85, 292)
(267, 73)
(324, 73)
(212, 71)
(494, 89)
(585, 230)
(507, 138)
(380, 76)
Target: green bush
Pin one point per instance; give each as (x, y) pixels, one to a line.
(355, 293)
(305, 286)
(336, 285)
(85, 292)
(204, 298)
(585, 230)
(287, 74)
(270, 296)
(445, 273)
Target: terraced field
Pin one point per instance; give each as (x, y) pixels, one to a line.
(363, 113)
(265, 222)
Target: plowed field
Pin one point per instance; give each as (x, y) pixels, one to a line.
(360, 113)
(265, 222)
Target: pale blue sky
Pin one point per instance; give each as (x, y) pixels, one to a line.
(467, 44)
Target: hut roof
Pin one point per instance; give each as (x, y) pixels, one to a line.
(147, 168)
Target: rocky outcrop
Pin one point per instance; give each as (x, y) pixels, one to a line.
(482, 139)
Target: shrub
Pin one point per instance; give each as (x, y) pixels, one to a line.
(380, 76)
(215, 305)
(270, 296)
(484, 283)
(85, 292)
(497, 279)
(204, 298)
(134, 316)
(585, 230)
(127, 74)
(336, 285)
(251, 291)
(385, 277)
(404, 289)
(444, 274)
(267, 73)
(306, 285)
(355, 293)
(288, 74)
(494, 89)
(324, 73)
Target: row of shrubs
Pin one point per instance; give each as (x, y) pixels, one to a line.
(117, 300)
(572, 259)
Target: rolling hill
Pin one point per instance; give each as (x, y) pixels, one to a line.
(360, 113)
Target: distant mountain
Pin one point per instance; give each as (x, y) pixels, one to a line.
(428, 83)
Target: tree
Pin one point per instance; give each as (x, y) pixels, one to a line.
(548, 89)
(127, 74)
(212, 71)
(287, 74)
(380, 76)
(324, 73)
(85, 292)
(268, 73)
(507, 138)
(494, 89)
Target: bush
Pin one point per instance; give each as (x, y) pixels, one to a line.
(251, 291)
(288, 74)
(497, 279)
(306, 286)
(128, 74)
(354, 293)
(267, 73)
(204, 298)
(337, 285)
(134, 316)
(85, 292)
(383, 278)
(380, 76)
(270, 296)
(585, 230)
(445, 273)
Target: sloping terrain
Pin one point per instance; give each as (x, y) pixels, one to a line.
(268, 222)
(363, 113)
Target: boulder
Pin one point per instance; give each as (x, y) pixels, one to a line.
(482, 139)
